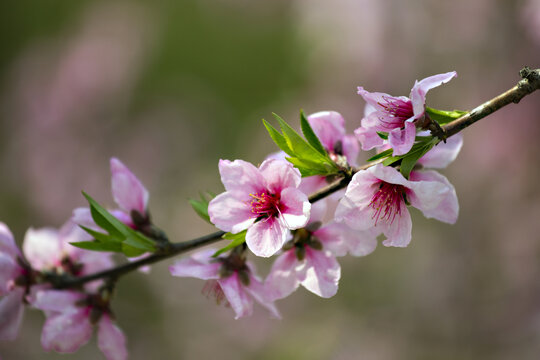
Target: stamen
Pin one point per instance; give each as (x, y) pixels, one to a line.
(387, 202)
(398, 111)
(265, 205)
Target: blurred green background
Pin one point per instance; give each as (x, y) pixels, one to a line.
(170, 87)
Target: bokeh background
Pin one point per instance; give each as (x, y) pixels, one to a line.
(170, 87)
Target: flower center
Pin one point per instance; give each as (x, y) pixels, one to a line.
(398, 110)
(387, 202)
(212, 289)
(265, 205)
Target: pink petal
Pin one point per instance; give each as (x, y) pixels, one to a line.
(94, 261)
(318, 211)
(128, 191)
(443, 154)
(442, 203)
(368, 138)
(399, 232)
(340, 239)
(56, 300)
(279, 175)
(83, 216)
(278, 155)
(266, 237)
(295, 208)
(311, 184)
(261, 294)
(67, 331)
(388, 174)
(11, 314)
(72, 232)
(199, 265)
(231, 211)
(7, 242)
(8, 271)
(282, 280)
(111, 340)
(420, 89)
(42, 248)
(353, 208)
(329, 126)
(240, 302)
(239, 175)
(351, 148)
(323, 273)
(402, 140)
(368, 109)
(374, 99)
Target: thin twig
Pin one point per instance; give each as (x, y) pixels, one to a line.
(529, 84)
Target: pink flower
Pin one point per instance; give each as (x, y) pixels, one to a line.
(71, 317)
(309, 259)
(132, 198)
(48, 249)
(396, 115)
(329, 126)
(228, 278)
(265, 201)
(377, 197)
(128, 191)
(11, 303)
(129, 194)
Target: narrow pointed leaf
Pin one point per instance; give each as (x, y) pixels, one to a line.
(237, 239)
(98, 246)
(201, 206)
(443, 116)
(408, 162)
(105, 219)
(380, 155)
(131, 251)
(101, 237)
(278, 138)
(308, 132)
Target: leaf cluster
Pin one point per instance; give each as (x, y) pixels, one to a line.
(307, 155)
(118, 237)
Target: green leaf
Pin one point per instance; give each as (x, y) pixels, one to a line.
(443, 116)
(125, 238)
(381, 155)
(410, 159)
(301, 148)
(382, 135)
(99, 236)
(139, 241)
(201, 206)
(131, 251)
(105, 219)
(309, 168)
(278, 138)
(303, 155)
(308, 132)
(237, 239)
(98, 246)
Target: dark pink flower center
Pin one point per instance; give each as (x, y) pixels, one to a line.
(398, 110)
(387, 202)
(265, 205)
(212, 289)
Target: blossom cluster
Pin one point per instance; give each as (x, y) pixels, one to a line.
(266, 208)
(270, 203)
(47, 253)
